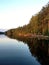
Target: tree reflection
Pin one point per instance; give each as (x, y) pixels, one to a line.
(38, 48)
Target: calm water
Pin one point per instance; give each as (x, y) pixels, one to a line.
(14, 52)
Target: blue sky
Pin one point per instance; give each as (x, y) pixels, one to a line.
(18, 12)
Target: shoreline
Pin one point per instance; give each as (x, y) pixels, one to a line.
(31, 36)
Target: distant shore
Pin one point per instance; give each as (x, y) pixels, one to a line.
(2, 33)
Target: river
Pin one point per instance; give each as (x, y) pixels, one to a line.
(14, 52)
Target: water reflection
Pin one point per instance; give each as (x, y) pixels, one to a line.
(14, 52)
(39, 49)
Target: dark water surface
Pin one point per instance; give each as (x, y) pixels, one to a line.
(14, 52)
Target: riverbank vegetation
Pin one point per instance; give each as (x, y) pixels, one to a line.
(38, 25)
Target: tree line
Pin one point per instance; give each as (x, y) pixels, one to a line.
(39, 24)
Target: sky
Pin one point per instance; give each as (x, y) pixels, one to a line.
(15, 13)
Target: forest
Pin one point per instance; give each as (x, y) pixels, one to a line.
(38, 25)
